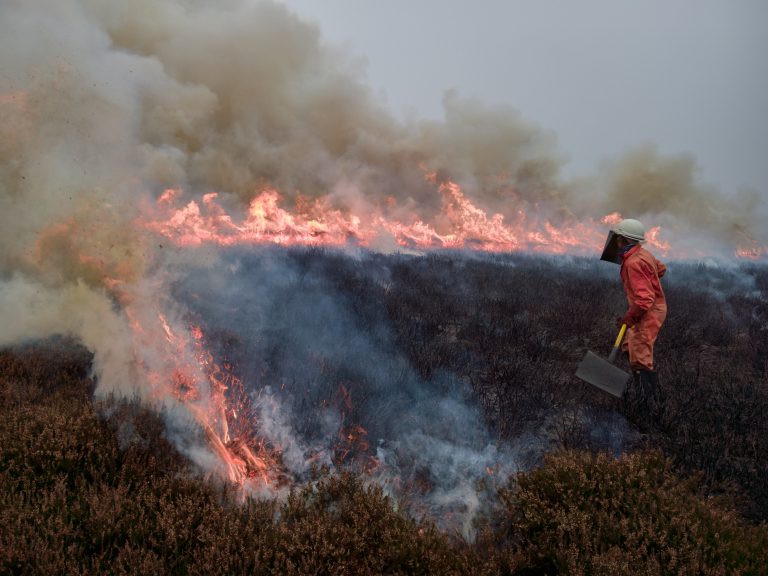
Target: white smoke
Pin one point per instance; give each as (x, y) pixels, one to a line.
(31, 310)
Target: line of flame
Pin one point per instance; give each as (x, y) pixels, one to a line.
(465, 225)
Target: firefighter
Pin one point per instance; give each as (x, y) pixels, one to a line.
(640, 274)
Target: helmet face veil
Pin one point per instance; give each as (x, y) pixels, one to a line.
(611, 249)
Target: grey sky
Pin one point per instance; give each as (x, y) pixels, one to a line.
(603, 75)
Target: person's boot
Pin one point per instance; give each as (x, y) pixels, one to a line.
(660, 403)
(633, 398)
(649, 383)
(641, 399)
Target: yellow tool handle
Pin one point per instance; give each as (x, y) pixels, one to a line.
(619, 338)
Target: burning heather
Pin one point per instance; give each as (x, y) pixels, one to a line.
(151, 151)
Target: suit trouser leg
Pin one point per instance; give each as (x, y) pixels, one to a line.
(641, 338)
(643, 397)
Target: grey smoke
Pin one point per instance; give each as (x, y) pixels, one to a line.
(298, 340)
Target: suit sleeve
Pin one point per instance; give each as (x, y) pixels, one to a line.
(641, 276)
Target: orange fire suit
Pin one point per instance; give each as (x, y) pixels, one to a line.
(640, 273)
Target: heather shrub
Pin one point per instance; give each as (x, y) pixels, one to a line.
(581, 513)
(341, 526)
(93, 492)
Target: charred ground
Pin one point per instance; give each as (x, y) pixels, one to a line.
(89, 487)
(506, 332)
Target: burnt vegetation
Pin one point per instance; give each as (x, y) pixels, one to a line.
(94, 486)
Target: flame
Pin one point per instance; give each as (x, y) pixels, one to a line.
(753, 252)
(611, 219)
(460, 224)
(652, 238)
(189, 373)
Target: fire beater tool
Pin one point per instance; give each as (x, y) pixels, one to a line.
(603, 373)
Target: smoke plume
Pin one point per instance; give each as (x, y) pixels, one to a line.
(106, 102)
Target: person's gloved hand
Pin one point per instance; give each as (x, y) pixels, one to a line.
(632, 317)
(628, 320)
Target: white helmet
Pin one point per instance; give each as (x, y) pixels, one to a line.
(631, 229)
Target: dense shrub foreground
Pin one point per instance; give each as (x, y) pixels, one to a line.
(585, 514)
(80, 494)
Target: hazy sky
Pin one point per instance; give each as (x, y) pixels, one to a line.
(604, 75)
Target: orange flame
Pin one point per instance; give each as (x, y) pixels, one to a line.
(460, 224)
(190, 374)
(754, 252)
